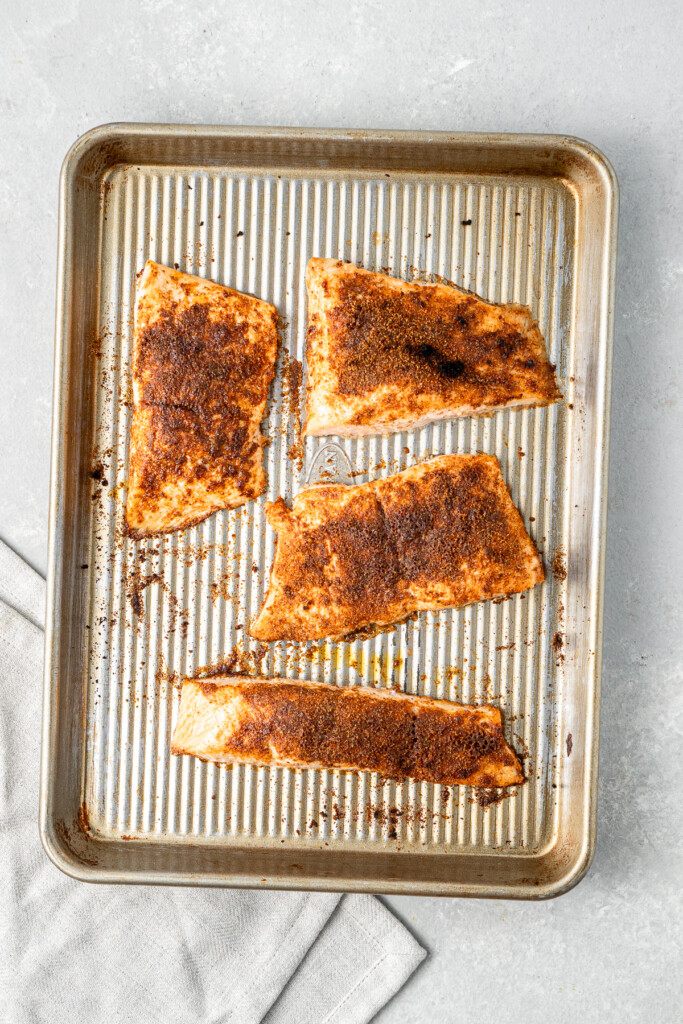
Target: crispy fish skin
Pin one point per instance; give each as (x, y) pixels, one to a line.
(442, 534)
(204, 356)
(316, 725)
(385, 354)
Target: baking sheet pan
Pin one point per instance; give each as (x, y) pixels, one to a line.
(530, 219)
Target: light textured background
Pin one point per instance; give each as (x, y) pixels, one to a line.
(607, 71)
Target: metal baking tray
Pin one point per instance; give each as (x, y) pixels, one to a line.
(511, 217)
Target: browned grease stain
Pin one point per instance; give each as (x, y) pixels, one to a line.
(74, 836)
(83, 817)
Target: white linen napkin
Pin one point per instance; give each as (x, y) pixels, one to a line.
(73, 952)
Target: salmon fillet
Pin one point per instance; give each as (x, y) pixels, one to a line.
(441, 534)
(316, 725)
(203, 359)
(385, 355)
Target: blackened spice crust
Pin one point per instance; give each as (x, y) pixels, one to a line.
(432, 340)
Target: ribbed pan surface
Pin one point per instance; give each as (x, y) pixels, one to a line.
(164, 608)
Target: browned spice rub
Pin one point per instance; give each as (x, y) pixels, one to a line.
(441, 534)
(204, 356)
(385, 354)
(316, 725)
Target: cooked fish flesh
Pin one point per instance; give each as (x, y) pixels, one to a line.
(385, 355)
(204, 356)
(441, 534)
(317, 725)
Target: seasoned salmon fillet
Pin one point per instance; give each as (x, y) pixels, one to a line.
(203, 359)
(316, 725)
(385, 355)
(441, 534)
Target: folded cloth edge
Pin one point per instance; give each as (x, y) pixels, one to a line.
(21, 587)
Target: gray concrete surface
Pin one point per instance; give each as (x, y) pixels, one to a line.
(609, 72)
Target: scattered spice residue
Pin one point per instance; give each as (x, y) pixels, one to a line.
(338, 812)
(179, 614)
(558, 645)
(521, 746)
(559, 565)
(164, 678)
(570, 743)
(373, 630)
(310, 651)
(389, 816)
(137, 583)
(440, 279)
(99, 475)
(238, 663)
(486, 797)
(292, 377)
(221, 588)
(97, 344)
(188, 554)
